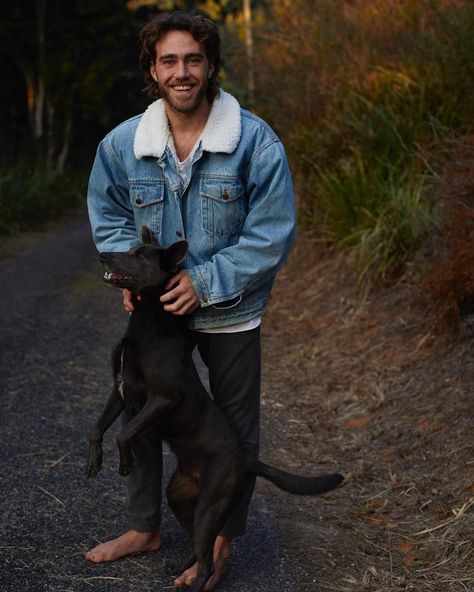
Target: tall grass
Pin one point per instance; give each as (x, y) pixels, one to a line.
(30, 197)
(372, 90)
(369, 189)
(382, 214)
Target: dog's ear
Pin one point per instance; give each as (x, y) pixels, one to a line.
(146, 235)
(172, 256)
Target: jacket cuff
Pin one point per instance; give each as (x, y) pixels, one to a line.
(199, 285)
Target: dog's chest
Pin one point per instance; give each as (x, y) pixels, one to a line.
(119, 378)
(129, 379)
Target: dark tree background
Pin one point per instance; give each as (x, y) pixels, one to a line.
(71, 73)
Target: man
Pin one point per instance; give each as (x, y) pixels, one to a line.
(196, 166)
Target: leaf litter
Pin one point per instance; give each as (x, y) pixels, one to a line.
(361, 384)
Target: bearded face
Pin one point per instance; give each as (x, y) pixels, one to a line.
(181, 70)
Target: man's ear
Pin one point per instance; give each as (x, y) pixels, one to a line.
(146, 235)
(172, 256)
(153, 72)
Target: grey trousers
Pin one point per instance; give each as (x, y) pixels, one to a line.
(233, 360)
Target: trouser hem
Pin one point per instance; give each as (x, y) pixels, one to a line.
(145, 525)
(234, 532)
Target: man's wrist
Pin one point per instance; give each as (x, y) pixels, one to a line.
(199, 285)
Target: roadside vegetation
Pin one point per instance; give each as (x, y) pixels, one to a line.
(30, 197)
(71, 75)
(370, 97)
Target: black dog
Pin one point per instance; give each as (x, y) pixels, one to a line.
(156, 380)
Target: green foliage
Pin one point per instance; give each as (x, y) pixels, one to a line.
(376, 210)
(372, 89)
(367, 186)
(29, 198)
(388, 234)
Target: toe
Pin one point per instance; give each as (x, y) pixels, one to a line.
(90, 557)
(180, 581)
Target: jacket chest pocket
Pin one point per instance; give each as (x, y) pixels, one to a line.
(147, 203)
(222, 205)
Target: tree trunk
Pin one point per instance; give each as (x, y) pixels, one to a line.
(30, 96)
(35, 100)
(40, 98)
(249, 52)
(50, 147)
(66, 141)
(38, 118)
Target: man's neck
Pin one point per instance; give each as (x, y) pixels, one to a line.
(187, 127)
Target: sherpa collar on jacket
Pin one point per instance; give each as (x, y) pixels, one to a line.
(221, 133)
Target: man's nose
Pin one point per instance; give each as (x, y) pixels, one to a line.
(182, 69)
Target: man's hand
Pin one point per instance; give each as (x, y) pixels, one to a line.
(181, 298)
(127, 300)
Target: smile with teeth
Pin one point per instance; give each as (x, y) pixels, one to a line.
(182, 87)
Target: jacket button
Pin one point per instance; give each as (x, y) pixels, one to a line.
(138, 200)
(179, 233)
(225, 195)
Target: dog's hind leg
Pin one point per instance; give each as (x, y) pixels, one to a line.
(181, 494)
(155, 410)
(205, 534)
(212, 509)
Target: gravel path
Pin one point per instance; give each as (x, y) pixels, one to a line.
(58, 323)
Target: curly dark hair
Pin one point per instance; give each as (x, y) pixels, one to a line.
(201, 28)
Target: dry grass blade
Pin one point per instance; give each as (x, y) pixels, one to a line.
(102, 578)
(53, 463)
(458, 514)
(51, 495)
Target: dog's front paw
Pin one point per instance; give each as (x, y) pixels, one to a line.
(125, 469)
(93, 468)
(126, 464)
(94, 462)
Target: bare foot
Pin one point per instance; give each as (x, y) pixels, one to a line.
(221, 566)
(128, 544)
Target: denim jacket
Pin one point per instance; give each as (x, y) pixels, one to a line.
(237, 210)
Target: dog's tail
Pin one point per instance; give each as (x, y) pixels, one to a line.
(295, 483)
